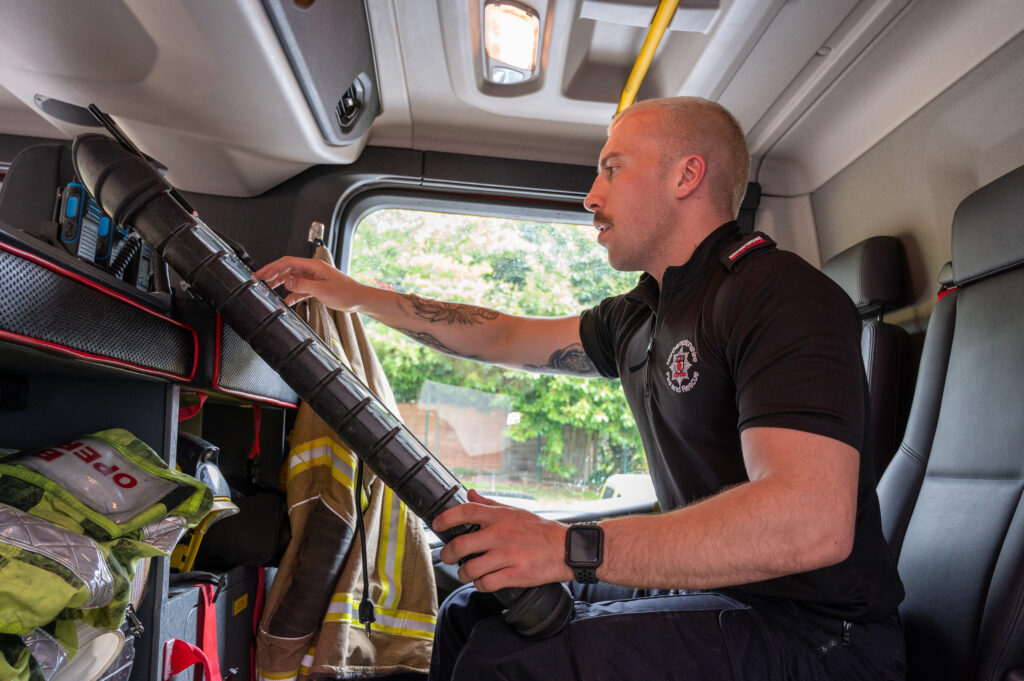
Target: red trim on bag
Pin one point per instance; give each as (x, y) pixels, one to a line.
(88, 356)
(257, 398)
(81, 354)
(216, 351)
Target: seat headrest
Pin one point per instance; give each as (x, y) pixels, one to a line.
(987, 229)
(873, 273)
(946, 274)
(29, 192)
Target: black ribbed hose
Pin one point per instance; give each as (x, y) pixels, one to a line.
(133, 193)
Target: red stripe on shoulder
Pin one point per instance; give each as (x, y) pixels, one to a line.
(756, 241)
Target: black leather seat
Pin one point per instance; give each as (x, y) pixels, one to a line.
(951, 499)
(874, 274)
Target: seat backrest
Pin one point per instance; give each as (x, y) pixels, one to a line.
(951, 500)
(874, 274)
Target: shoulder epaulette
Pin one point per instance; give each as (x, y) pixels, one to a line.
(737, 250)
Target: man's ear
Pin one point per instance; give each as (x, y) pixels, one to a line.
(689, 173)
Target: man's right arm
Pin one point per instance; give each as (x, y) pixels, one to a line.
(548, 345)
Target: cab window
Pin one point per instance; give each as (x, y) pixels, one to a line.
(535, 441)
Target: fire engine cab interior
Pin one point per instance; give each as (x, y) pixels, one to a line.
(887, 149)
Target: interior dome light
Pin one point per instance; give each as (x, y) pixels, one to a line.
(506, 76)
(510, 34)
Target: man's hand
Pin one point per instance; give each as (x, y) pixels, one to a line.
(311, 278)
(513, 547)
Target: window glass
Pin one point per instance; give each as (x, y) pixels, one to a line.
(541, 442)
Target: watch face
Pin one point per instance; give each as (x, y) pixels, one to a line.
(584, 546)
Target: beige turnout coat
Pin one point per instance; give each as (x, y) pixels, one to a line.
(320, 468)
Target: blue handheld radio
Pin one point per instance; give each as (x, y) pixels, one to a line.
(94, 221)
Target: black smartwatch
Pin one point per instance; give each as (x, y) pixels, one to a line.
(584, 550)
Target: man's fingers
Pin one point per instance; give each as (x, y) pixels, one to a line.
(470, 513)
(273, 280)
(276, 277)
(304, 278)
(468, 544)
(493, 581)
(299, 288)
(512, 547)
(491, 572)
(478, 498)
(276, 268)
(480, 566)
(447, 519)
(293, 299)
(290, 265)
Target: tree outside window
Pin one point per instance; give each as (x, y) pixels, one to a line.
(542, 439)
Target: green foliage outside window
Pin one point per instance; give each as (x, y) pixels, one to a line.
(518, 267)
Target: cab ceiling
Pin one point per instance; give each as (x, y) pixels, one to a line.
(206, 88)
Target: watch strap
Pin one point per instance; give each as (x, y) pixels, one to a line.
(585, 575)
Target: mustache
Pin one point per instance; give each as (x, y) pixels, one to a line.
(602, 219)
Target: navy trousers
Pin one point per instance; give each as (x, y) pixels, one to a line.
(625, 635)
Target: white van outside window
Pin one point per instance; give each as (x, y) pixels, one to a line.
(536, 441)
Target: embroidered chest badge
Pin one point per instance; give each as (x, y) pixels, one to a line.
(681, 375)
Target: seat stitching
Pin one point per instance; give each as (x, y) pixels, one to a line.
(1015, 626)
(913, 454)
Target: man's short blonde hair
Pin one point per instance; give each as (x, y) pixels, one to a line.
(691, 125)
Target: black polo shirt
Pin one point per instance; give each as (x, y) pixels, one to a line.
(745, 335)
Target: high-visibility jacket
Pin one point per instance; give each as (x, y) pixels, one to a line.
(310, 625)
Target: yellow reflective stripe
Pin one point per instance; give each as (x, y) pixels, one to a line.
(396, 549)
(304, 666)
(391, 550)
(307, 661)
(324, 461)
(303, 447)
(322, 452)
(324, 444)
(343, 608)
(339, 601)
(339, 351)
(403, 522)
(402, 630)
(384, 549)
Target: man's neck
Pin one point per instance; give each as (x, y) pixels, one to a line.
(680, 252)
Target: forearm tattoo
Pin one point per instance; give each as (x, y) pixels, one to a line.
(433, 343)
(570, 360)
(450, 313)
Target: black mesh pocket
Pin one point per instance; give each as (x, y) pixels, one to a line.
(241, 370)
(67, 314)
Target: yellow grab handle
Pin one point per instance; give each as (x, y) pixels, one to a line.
(662, 18)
